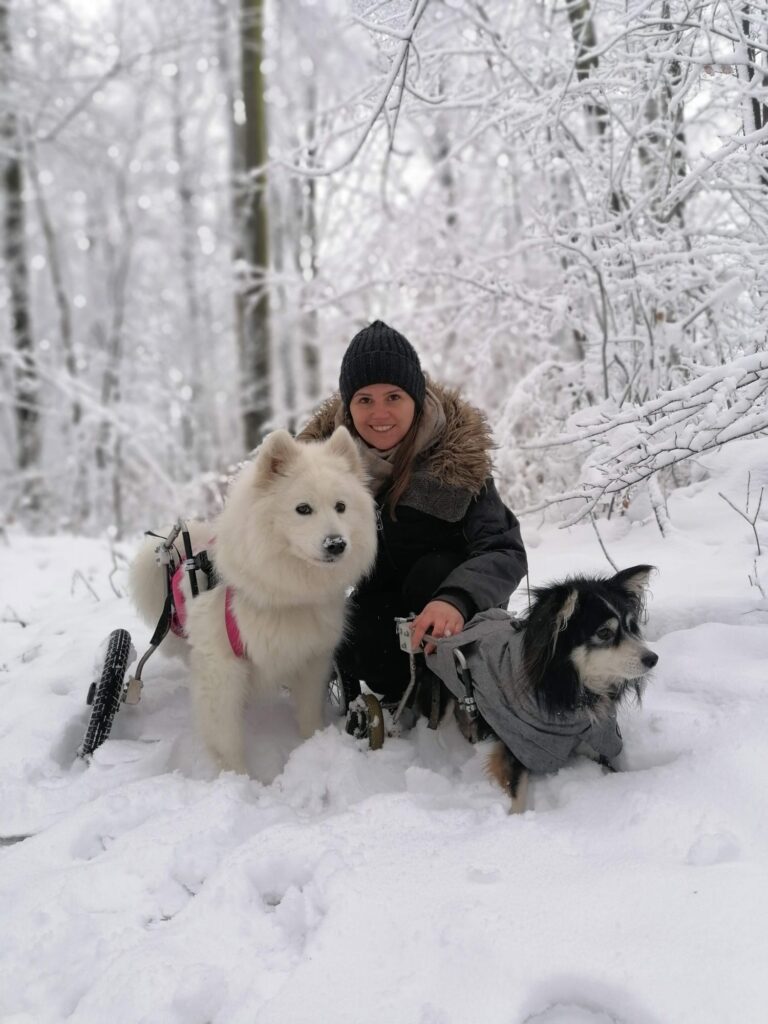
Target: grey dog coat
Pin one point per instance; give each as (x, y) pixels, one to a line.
(492, 644)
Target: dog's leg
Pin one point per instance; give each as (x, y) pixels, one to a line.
(309, 691)
(218, 698)
(504, 768)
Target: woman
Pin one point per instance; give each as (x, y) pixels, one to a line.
(448, 546)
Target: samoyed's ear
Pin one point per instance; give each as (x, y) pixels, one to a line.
(341, 443)
(634, 580)
(277, 452)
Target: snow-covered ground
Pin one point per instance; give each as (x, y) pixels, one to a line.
(339, 884)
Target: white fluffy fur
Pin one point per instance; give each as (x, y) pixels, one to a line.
(289, 598)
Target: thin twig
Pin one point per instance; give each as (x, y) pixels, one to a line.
(744, 515)
(602, 545)
(115, 568)
(754, 581)
(77, 574)
(13, 617)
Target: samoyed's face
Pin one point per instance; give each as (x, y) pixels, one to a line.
(321, 512)
(299, 509)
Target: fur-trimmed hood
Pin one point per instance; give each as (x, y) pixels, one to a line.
(459, 459)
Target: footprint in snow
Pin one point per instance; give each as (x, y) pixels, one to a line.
(713, 848)
(573, 1013)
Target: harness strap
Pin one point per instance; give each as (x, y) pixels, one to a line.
(434, 705)
(189, 565)
(164, 624)
(233, 633)
(177, 613)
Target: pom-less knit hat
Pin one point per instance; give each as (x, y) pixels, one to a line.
(381, 355)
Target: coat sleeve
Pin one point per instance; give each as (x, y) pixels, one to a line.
(495, 561)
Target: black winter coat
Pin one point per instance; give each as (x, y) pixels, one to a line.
(451, 505)
(487, 537)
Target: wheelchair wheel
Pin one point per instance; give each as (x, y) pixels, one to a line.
(365, 720)
(104, 695)
(343, 690)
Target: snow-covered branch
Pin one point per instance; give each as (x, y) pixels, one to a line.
(627, 447)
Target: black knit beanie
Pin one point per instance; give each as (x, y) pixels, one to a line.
(381, 355)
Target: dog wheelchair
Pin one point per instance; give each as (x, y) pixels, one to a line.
(112, 688)
(369, 718)
(366, 716)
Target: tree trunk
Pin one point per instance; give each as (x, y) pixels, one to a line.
(58, 285)
(108, 446)
(254, 227)
(663, 150)
(194, 418)
(308, 241)
(25, 377)
(584, 36)
(585, 47)
(225, 51)
(754, 79)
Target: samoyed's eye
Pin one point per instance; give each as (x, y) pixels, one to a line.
(304, 509)
(340, 506)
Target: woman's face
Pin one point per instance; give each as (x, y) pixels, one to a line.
(382, 414)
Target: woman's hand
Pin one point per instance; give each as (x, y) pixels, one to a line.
(438, 618)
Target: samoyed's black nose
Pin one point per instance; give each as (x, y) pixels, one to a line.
(334, 546)
(649, 659)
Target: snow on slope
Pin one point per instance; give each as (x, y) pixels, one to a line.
(340, 884)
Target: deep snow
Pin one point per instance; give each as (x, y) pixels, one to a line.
(342, 885)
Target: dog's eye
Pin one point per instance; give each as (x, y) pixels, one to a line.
(304, 509)
(341, 507)
(604, 633)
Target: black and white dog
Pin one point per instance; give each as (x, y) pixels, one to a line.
(549, 684)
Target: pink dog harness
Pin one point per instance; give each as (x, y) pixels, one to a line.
(179, 614)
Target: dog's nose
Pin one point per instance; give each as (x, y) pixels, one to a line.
(649, 659)
(334, 545)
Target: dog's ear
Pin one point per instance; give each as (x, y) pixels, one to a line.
(549, 616)
(567, 607)
(341, 443)
(634, 580)
(551, 673)
(277, 452)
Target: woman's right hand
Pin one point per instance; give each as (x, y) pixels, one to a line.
(438, 619)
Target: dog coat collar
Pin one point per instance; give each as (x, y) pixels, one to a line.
(492, 645)
(179, 614)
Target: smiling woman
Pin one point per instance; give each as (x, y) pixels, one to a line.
(382, 415)
(447, 546)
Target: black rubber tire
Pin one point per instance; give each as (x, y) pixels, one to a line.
(106, 697)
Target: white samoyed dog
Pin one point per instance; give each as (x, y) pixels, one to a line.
(297, 531)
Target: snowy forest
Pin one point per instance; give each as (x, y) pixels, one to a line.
(562, 204)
